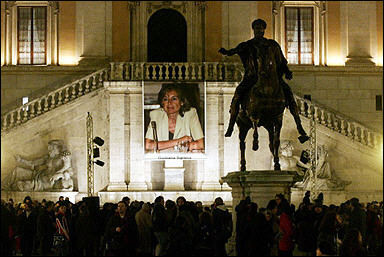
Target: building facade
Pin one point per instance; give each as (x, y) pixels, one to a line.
(70, 58)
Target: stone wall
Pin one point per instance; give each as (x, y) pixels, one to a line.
(351, 160)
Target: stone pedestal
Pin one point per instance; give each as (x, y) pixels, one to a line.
(173, 175)
(262, 186)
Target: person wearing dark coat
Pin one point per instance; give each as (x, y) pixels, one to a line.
(328, 230)
(7, 220)
(160, 226)
(180, 238)
(357, 219)
(306, 234)
(121, 232)
(220, 216)
(259, 233)
(46, 227)
(86, 230)
(241, 225)
(27, 229)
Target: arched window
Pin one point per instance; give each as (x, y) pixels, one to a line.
(167, 37)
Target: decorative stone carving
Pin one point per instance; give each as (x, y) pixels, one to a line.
(49, 173)
(288, 161)
(156, 5)
(326, 177)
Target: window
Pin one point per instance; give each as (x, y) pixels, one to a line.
(299, 35)
(379, 102)
(300, 28)
(31, 35)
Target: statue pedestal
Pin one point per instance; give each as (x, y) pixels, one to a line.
(173, 175)
(261, 185)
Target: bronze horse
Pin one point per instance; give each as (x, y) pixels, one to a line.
(264, 106)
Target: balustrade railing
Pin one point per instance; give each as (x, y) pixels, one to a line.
(190, 71)
(205, 71)
(338, 123)
(54, 99)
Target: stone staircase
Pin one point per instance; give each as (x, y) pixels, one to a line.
(179, 72)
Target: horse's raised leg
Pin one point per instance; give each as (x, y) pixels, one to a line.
(276, 141)
(255, 144)
(243, 131)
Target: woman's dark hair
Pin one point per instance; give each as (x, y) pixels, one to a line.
(328, 222)
(180, 91)
(271, 204)
(351, 245)
(182, 198)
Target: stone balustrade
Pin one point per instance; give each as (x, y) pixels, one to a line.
(191, 71)
(338, 123)
(205, 71)
(54, 99)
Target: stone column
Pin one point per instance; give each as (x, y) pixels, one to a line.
(116, 137)
(212, 171)
(135, 137)
(93, 29)
(358, 32)
(173, 175)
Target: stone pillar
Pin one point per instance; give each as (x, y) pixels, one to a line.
(358, 31)
(135, 137)
(116, 136)
(93, 32)
(212, 172)
(173, 175)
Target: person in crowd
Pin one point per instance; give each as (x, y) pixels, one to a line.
(357, 218)
(328, 229)
(27, 229)
(281, 201)
(46, 227)
(259, 233)
(374, 228)
(176, 122)
(241, 225)
(160, 226)
(273, 220)
(191, 225)
(180, 238)
(7, 222)
(205, 235)
(145, 228)
(62, 228)
(319, 214)
(286, 244)
(121, 232)
(170, 212)
(325, 248)
(305, 219)
(87, 228)
(307, 197)
(222, 226)
(352, 244)
(199, 207)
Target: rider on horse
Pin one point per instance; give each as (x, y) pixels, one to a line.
(248, 54)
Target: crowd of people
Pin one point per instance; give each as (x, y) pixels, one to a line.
(181, 227)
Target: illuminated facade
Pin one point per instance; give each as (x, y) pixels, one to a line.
(74, 57)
